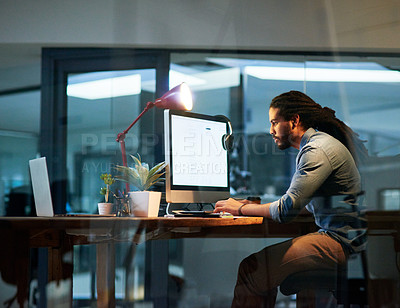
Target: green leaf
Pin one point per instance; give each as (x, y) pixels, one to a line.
(143, 173)
(157, 168)
(128, 175)
(137, 160)
(154, 179)
(103, 191)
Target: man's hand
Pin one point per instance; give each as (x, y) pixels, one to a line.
(230, 205)
(251, 209)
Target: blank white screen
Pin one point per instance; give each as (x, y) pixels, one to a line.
(198, 157)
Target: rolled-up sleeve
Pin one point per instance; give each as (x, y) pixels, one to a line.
(313, 168)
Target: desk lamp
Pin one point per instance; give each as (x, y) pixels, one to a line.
(178, 98)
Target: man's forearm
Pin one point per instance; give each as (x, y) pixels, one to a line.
(255, 209)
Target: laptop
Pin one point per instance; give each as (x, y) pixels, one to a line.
(41, 190)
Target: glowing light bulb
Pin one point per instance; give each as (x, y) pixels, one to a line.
(186, 96)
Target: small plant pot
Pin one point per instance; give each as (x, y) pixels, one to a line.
(105, 208)
(145, 203)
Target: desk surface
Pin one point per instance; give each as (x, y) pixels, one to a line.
(42, 229)
(101, 222)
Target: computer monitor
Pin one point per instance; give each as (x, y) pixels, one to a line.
(197, 163)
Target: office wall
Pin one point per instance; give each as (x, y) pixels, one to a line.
(238, 24)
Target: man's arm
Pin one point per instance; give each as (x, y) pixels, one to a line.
(247, 208)
(312, 170)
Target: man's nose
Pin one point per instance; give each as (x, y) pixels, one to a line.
(271, 130)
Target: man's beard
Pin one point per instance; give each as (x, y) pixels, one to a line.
(283, 142)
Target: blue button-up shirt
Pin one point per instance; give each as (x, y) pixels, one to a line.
(327, 183)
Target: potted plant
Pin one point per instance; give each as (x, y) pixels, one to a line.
(143, 203)
(105, 208)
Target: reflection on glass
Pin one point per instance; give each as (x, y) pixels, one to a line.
(240, 87)
(19, 140)
(363, 91)
(100, 105)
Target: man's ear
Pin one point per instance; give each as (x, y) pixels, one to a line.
(295, 121)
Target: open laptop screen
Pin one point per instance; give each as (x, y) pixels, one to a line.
(41, 187)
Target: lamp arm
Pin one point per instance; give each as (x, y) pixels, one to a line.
(121, 137)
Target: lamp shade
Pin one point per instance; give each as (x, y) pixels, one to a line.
(178, 98)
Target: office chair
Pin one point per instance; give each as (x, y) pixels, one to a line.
(346, 290)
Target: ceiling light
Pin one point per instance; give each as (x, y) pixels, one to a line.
(322, 74)
(106, 88)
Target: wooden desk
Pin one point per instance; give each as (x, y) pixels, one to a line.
(60, 234)
(383, 220)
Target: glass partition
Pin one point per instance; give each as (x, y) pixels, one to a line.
(362, 91)
(101, 105)
(19, 139)
(83, 112)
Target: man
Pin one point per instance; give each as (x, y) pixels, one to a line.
(326, 182)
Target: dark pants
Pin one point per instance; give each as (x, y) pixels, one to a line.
(261, 273)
